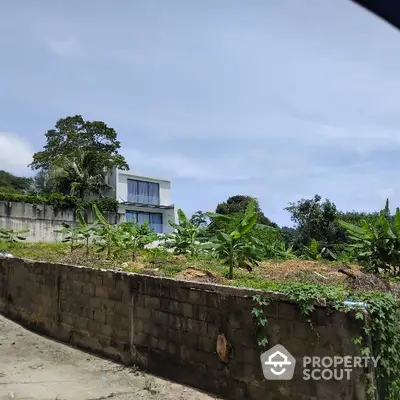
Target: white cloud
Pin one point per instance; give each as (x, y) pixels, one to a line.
(15, 153)
(65, 47)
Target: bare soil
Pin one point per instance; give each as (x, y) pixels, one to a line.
(300, 269)
(34, 367)
(194, 274)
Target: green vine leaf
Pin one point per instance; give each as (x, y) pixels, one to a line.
(260, 319)
(382, 328)
(359, 315)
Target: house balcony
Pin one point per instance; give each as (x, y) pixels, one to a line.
(132, 203)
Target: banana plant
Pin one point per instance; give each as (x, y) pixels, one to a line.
(377, 245)
(12, 236)
(73, 236)
(106, 233)
(279, 250)
(313, 252)
(342, 255)
(238, 247)
(133, 237)
(186, 237)
(85, 231)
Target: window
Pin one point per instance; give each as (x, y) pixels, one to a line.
(143, 192)
(155, 220)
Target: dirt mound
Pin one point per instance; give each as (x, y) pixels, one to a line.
(325, 273)
(363, 281)
(194, 274)
(300, 270)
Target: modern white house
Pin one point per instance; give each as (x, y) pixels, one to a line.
(143, 199)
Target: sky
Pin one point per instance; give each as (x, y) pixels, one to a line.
(280, 100)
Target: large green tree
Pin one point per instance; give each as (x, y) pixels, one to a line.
(317, 220)
(238, 205)
(74, 132)
(235, 207)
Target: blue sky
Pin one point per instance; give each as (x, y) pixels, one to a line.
(275, 99)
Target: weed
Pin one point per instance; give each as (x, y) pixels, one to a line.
(150, 385)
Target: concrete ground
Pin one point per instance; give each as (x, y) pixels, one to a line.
(34, 367)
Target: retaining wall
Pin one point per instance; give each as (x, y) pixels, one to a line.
(170, 328)
(41, 220)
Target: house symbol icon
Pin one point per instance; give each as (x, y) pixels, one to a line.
(277, 359)
(278, 364)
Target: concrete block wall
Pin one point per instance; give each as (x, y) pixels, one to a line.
(41, 220)
(170, 327)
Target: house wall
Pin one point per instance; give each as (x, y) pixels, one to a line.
(41, 220)
(171, 328)
(122, 187)
(119, 180)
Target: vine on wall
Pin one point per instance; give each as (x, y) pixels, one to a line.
(382, 326)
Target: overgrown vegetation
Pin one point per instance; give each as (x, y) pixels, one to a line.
(61, 201)
(376, 244)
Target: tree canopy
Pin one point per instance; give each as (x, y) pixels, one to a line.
(238, 204)
(74, 132)
(76, 157)
(317, 220)
(199, 218)
(235, 207)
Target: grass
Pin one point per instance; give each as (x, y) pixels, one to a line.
(37, 251)
(270, 274)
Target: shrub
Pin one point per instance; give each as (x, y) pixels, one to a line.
(104, 204)
(377, 245)
(62, 202)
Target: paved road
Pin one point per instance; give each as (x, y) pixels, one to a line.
(33, 367)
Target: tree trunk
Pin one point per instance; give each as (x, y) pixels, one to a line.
(231, 262)
(230, 275)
